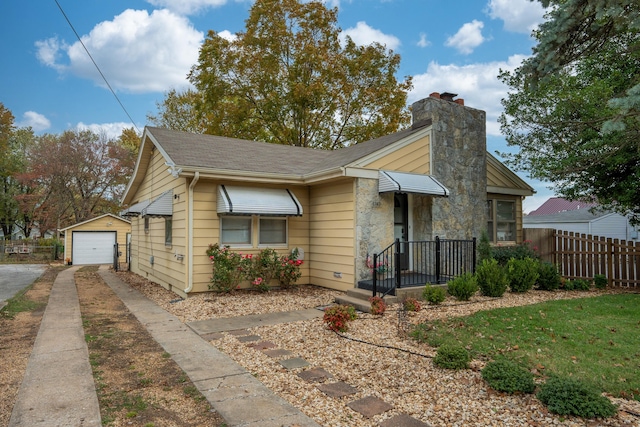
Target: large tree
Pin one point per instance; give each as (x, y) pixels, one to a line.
(288, 79)
(574, 107)
(74, 177)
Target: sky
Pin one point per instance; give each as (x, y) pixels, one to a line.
(144, 48)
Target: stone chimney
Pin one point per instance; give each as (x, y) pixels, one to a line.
(459, 161)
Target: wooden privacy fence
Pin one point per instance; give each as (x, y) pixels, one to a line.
(582, 256)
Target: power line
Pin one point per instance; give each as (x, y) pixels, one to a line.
(97, 68)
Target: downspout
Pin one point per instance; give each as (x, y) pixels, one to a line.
(189, 287)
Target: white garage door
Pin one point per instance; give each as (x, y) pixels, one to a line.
(93, 247)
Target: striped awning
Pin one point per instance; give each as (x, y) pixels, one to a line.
(233, 200)
(161, 206)
(403, 182)
(136, 209)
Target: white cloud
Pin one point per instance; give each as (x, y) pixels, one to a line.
(110, 130)
(228, 35)
(362, 34)
(35, 121)
(519, 16)
(468, 37)
(137, 52)
(477, 84)
(423, 42)
(187, 7)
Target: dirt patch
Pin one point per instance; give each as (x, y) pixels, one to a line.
(138, 383)
(17, 336)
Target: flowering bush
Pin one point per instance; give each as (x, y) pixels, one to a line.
(337, 317)
(411, 304)
(382, 265)
(228, 268)
(378, 306)
(289, 269)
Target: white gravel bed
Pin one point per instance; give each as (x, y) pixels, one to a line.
(405, 379)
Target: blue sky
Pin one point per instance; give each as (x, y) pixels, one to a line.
(146, 48)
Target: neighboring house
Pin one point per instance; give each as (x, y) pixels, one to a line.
(558, 204)
(584, 221)
(18, 234)
(435, 179)
(92, 242)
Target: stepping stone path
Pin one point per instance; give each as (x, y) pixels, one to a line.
(368, 406)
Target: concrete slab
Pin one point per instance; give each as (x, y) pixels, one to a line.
(262, 345)
(403, 420)
(294, 363)
(15, 277)
(370, 406)
(315, 375)
(277, 353)
(337, 390)
(249, 338)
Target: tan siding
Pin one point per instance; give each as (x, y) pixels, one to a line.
(411, 158)
(495, 178)
(207, 231)
(332, 223)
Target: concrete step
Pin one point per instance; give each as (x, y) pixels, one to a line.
(359, 298)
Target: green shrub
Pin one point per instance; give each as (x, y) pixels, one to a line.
(509, 377)
(565, 396)
(522, 274)
(567, 285)
(504, 253)
(337, 317)
(434, 294)
(463, 287)
(581, 285)
(548, 277)
(228, 268)
(484, 247)
(452, 357)
(600, 281)
(491, 278)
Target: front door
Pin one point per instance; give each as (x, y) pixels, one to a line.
(401, 226)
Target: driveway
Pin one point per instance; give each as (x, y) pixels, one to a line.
(15, 277)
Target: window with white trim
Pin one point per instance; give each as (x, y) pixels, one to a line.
(235, 230)
(168, 231)
(272, 231)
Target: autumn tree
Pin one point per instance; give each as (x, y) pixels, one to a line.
(288, 79)
(574, 107)
(75, 176)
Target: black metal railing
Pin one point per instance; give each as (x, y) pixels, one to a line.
(404, 264)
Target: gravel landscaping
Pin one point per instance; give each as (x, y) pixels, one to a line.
(372, 359)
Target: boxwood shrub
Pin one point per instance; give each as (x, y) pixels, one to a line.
(565, 396)
(522, 274)
(509, 377)
(452, 357)
(491, 278)
(463, 287)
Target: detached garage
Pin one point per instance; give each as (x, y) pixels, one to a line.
(92, 242)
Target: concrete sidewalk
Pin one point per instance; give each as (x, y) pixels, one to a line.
(58, 388)
(231, 390)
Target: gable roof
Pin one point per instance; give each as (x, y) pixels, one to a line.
(576, 215)
(95, 219)
(558, 204)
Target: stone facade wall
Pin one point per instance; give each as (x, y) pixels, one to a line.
(459, 161)
(374, 223)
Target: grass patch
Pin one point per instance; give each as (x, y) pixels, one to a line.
(595, 340)
(19, 304)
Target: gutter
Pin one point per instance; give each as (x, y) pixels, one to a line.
(189, 287)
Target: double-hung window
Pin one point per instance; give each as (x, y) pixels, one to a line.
(272, 232)
(501, 226)
(236, 230)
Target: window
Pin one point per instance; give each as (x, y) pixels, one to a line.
(273, 231)
(168, 231)
(235, 230)
(146, 224)
(502, 220)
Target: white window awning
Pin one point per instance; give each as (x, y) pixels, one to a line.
(135, 210)
(161, 206)
(403, 182)
(257, 201)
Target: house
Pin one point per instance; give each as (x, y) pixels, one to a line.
(586, 220)
(434, 179)
(558, 204)
(92, 242)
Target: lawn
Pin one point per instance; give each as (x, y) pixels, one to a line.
(596, 340)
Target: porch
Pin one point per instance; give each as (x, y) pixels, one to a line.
(413, 264)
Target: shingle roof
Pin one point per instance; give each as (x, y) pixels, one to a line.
(222, 153)
(558, 204)
(577, 215)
